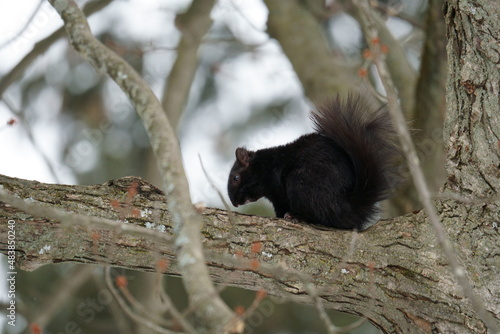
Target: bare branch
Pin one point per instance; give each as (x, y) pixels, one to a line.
(170, 307)
(318, 70)
(127, 310)
(404, 76)
(31, 138)
(193, 24)
(43, 45)
(391, 10)
(26, 25)
(144, 313)
(69, 219)
(78, 276)
(212, 309)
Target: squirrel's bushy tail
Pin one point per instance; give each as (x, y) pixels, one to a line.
(366, 134)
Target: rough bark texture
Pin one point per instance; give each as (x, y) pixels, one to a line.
(396, 276)
(473, 123)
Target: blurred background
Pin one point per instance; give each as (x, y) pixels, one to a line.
(75, 126)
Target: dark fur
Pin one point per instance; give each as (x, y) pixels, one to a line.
(334, 177)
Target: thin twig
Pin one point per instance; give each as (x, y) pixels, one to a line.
(390, 10)
(43, 45)
(330, 327)
(171, 308)
(467, 200)
(399, 66)
(122, 322)
(144, 312)
(72, 281)
(230, 213)
(31, 138)
(141, 309)
(238, 10)
(26, 25)
(212, 184)
(127, 310)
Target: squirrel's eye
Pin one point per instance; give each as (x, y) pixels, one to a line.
(236, 178)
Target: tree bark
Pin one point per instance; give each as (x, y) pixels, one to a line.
(396, 275)
(473, 122)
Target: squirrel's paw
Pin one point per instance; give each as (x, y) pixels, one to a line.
(290, 217)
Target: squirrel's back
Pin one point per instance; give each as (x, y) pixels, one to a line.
(366, 134)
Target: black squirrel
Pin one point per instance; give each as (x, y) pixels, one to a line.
(334, 177)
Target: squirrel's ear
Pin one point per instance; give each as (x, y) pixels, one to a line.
(243, 156)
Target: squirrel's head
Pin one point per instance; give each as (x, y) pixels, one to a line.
(243, 185)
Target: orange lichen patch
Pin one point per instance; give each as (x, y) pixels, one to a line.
(162, 265)
(255, 264)
(256, 247)
(115, 204)
(132, 191)
(135, 213)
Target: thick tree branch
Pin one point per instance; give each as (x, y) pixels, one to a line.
(396, 275)
(301, 38)
(210, 308)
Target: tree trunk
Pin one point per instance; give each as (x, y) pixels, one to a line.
(473, 121)
(396, 275)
